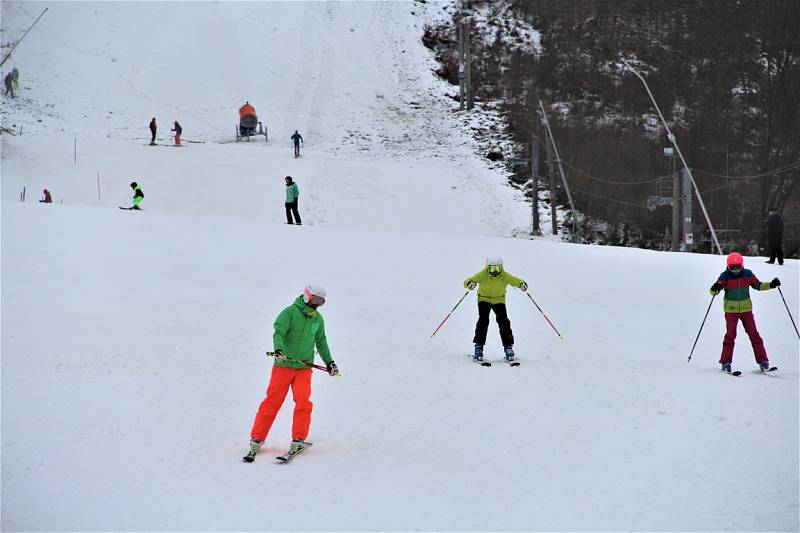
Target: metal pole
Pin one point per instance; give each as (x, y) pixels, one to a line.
(468, 70)
(5, 58)
(575, 228)
(461, 91)
(674, 142)
(535, 179)
(688, 238)
(676, 209)
(552, 178)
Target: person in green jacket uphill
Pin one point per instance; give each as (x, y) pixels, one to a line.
(299, 329)
(736, 281)
(292, 194)
(491, 283)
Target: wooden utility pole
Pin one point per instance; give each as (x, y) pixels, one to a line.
(468, 70)
(461, 67)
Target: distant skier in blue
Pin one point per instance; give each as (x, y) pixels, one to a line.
(296, 139)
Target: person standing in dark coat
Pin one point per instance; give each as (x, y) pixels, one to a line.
(9, 83)
(774, 224)
(153, 131)
(296, 139)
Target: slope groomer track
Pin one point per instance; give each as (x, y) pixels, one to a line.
(134, 343)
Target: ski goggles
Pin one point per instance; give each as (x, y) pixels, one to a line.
(494, 269)
(313, 299)
(735, 268)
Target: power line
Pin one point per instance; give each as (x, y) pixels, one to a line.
(612, 199)
(643, 182)
(779, 170)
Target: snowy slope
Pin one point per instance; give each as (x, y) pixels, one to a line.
(132, 343)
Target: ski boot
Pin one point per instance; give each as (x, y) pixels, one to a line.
(764, 366)
(297, 446)
(726, 367)
(509, 353)
(478, 352)
(255, 445)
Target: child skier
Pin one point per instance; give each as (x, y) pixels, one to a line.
(47, 199)
(153, 129)
(737, 280)
(298, 330)
(138, 196)
(491, 283)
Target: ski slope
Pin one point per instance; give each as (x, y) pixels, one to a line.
(132, 343)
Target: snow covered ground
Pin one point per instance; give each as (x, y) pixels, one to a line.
(132, 343)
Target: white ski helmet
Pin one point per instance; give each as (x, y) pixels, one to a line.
(494, 265)
(313, 295)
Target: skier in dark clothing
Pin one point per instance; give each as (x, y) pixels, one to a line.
(292, 194)
(774, 224)
(153, 131)
(9, 83)
(296, 139)
(47, 199)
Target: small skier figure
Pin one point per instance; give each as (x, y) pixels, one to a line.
(15, 78)
(48, 199)
(491, 283)
(178, 130)
(8, 81)
(737, 280)
(296, 139)
(774, 225)
(153, 129)
(299, 329)
(138, 196)
(292, 195)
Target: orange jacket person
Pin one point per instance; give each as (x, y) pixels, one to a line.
(246, 109)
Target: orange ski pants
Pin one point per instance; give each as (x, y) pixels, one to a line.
(279, 382)
(177, 139)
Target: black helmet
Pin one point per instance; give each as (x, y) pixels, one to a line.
(134, 184)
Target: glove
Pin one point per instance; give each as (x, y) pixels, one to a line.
(716, 287)
(333, 370)
(279, 356)
(523, 286)
(471, 285)
(774, 283)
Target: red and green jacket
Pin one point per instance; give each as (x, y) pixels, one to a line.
(492, 289)
(737, 290)
(298, 330)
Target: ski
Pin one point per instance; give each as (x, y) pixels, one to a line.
(734, 373)
(766, 370)
(481, 362)
(249, 458)
(288, 456)
(512, 362)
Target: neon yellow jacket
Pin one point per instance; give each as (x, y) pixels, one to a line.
(493, 289)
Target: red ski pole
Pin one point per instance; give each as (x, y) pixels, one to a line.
(544, 315)
(450, 313)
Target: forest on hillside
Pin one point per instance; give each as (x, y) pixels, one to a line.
(725, 74)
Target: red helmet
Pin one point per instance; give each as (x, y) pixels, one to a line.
(735, 259)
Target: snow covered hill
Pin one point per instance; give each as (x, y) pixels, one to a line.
(132, 343)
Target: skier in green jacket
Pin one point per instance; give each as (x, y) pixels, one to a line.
(292, 194)
(491, 283)
(299, 329)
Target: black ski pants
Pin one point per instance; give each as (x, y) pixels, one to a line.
(506, 335)
(291, 208)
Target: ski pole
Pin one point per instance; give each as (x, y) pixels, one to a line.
(701, 327)
(450, 313)
(544, 315)
(310, 365)
(790, 313)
